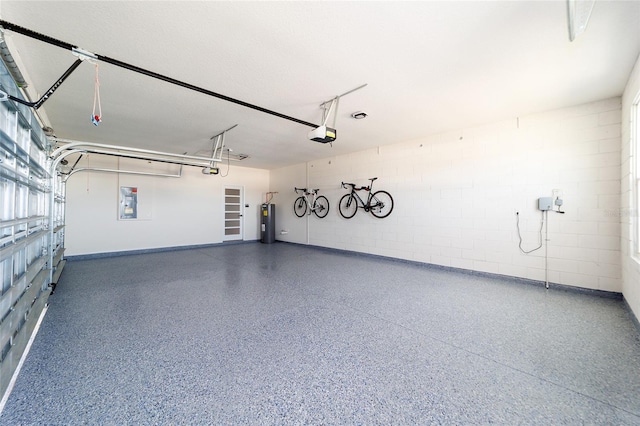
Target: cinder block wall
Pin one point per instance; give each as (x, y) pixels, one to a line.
(457, 194)
(628, 211)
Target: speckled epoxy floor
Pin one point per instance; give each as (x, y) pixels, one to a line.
(288, 334)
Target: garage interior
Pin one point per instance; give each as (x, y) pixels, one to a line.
(154, 270)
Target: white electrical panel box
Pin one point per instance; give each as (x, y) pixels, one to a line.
(545, 203)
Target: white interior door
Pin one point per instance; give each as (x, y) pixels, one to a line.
(233, 199)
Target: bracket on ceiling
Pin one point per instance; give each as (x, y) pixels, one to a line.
(218, 146)
(82, 54)
(327, 108)
(323, 133)
(37, 104)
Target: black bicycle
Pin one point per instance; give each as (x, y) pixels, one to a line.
(379, 203)
(318, 204)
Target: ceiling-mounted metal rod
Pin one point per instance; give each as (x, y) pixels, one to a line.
(335, 102)
(327, 111)
(128, 172)
(205, 162)
(344, 94)
(352, 90)
(73, 144)
(218, 145)
(102, 149)
(59, 43)
(37, 104)
(73, 170)
(335, 114)
(223, 132)
(76, 163)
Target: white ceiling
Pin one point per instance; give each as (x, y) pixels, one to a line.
(430, 67)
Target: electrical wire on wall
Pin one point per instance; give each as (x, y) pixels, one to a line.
(542, 221)
(228, 163)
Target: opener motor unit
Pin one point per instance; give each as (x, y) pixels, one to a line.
(210, 171)
(322, 134)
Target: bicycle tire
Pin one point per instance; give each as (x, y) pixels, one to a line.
(381, 204)
(348, 206)
(300, 206)
(321, 207)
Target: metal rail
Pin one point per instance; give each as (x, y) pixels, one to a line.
(72, 147)
(126, 172)
(59, 43)
(37, 104)
(124, 151)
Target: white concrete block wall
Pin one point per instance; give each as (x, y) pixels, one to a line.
(628, 212)
(456, 197)
(289, 227)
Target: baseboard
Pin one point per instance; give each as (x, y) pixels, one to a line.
(152, 250)
(555, 286)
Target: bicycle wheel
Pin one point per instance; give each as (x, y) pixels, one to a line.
(300, 206)
(381, 204)
(348, 206)
(321, 207)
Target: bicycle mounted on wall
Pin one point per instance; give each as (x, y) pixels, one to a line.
(379, 203)
(318, 204)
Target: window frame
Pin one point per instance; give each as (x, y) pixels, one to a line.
(634, 209)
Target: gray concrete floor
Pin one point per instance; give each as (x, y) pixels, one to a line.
(288, 334)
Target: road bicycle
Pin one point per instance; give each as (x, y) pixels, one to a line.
(318, 204)
(379, 203)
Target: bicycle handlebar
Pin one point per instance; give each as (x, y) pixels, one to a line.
(353, 185)
(306, 191)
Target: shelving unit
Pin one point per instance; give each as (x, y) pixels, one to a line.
(28, 208)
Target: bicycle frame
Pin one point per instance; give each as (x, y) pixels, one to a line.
(360, 202)
(305, 193)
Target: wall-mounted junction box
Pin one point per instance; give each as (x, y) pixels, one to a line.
(545, 203)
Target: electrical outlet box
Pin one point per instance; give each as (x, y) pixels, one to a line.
(545, 203)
